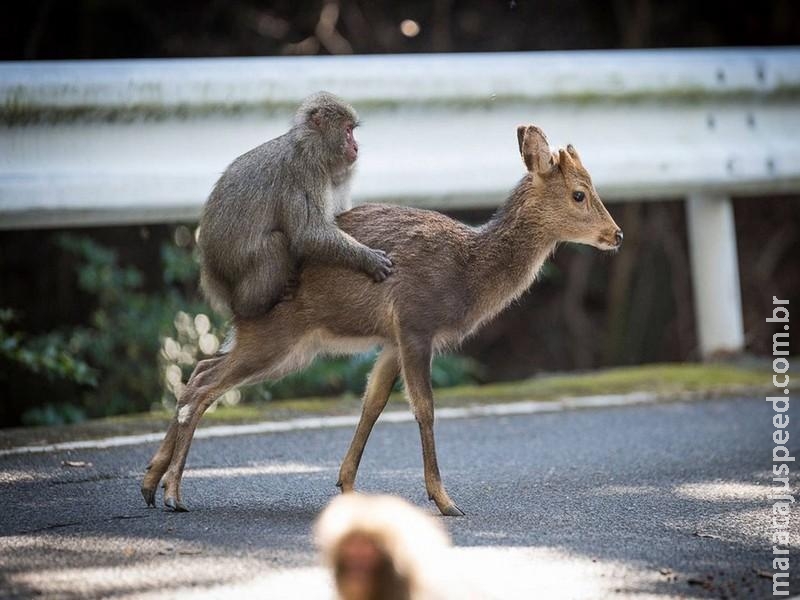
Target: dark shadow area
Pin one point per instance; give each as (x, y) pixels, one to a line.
(44, 29)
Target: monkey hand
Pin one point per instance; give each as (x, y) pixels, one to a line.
(378, 264)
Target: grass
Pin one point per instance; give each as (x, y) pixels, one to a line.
(672, 381)
(663, 379)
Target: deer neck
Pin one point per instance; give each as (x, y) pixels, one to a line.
(510, 249)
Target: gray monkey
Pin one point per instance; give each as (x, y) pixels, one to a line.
(275, 206)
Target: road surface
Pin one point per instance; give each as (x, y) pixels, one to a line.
(660, 501)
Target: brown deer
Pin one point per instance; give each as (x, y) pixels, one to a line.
(449, 279)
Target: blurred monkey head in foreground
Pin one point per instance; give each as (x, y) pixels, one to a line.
(381, 547)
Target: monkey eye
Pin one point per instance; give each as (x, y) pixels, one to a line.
(578, 196)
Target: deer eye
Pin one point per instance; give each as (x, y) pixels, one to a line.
(578, 196)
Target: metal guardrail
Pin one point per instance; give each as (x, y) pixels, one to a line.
(137, 141)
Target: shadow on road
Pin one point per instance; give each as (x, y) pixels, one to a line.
(641, 502)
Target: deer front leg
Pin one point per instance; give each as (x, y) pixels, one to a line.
(416, 364)
(379, 386)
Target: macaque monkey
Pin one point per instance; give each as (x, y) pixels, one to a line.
(275, 206)
(382, 547)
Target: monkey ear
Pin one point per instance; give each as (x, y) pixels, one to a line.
(315, 118)
(534, 149)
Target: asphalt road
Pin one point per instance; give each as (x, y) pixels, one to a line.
(655, 501)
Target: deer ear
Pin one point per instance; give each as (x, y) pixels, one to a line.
(521, 137)
(534, 149)
(574, 154)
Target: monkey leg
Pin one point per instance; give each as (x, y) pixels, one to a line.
(161, 459)
(379, 386)
(263, 285)
(416, 362)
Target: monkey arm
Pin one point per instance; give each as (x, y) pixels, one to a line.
(313, 234)
(328, 243)
(331, 244)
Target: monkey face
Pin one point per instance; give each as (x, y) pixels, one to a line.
(350, 143)
(331, 122)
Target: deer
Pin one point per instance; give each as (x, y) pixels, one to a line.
(449, 279)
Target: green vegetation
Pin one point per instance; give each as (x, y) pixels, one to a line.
(672, 381)
(49, 359)
(666, 379)
(44, 355)
(139, 347)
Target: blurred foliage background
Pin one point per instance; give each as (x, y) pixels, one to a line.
(105, 321)
(48, 29)
(135, 347)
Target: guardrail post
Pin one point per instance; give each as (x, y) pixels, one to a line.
(715, 273)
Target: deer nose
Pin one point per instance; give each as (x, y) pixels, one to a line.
(618, 237)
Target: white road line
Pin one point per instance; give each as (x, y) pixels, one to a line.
(485, 410)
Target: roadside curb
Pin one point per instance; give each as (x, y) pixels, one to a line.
(324, 422)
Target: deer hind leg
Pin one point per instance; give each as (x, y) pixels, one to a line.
(200, 393)
(246, 362)
(416, 357)
(379, 386)
(161, 459)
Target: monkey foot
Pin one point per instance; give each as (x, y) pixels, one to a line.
(149, 495)
(175, 505)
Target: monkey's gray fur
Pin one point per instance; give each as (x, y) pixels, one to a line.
(275, 206)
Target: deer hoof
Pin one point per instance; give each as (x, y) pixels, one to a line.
(175, 505)
(451, 510)
(344, 488)
(149, 495)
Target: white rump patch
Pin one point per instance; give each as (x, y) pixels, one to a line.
(229, 343)
(184, 413)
